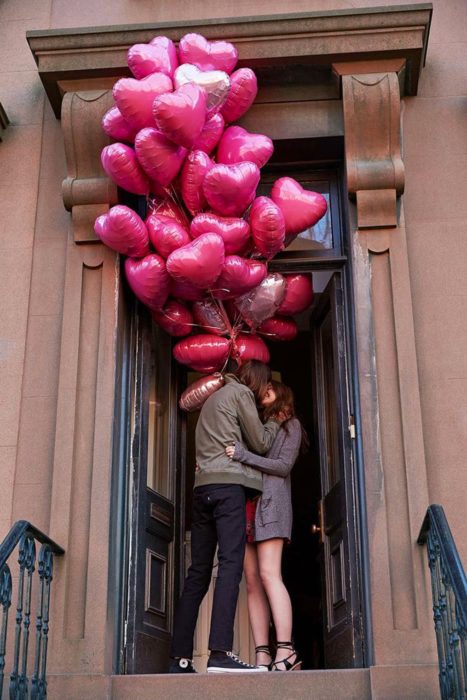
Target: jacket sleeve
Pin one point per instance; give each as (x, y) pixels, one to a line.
(257, 436)
(280, 465)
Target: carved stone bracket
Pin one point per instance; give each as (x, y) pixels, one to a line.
(371, 107)
(87, 191)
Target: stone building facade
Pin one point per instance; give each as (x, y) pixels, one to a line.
(384, 97)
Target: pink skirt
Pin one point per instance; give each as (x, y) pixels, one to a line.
(251, 504)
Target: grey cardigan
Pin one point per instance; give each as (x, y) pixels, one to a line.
(274, 508)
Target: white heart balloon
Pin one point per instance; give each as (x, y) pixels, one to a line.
(215, 83)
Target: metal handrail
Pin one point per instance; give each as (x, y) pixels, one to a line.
(449, 588)
(24, 536)
(17, 531)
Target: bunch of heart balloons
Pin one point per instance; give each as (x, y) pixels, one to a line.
(199, 260)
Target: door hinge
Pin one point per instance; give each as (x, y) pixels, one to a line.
(352, 427)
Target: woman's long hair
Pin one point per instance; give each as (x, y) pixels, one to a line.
(256, 376)
(285, 403)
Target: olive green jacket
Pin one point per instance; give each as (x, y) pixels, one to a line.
(229, 416)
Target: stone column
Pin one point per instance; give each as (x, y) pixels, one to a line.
(395, 469)
(83, 448)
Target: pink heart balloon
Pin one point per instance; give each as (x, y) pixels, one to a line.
(230, 189)
(204, 353)
(174, 318)
(149, 280)
(235, 232)
(207, 55)
(249, 347)
(243, 90)
(301, 208)
(199, 262)
(181, 115)
(116, 126)
(185, 291)
(209, 315)
(298, 294)
(238, 144)
(195, 168)
(211, 133)
(160, 55)
(134, 98)
(215, 83)
(166, 234)
(122, 230)
(121, 164)
(263, 301)
(196, 394)
(167, 207)
(278, 329)
(267, 227)
(238, 276)
(160, 158)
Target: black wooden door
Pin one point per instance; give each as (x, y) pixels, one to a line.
(154, 552)
(337, 530)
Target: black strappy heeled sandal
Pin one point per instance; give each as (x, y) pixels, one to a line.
(265, 649)
(288, 665)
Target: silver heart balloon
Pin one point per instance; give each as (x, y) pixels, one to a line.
(196, 394)
(215, 83)
(262, 302)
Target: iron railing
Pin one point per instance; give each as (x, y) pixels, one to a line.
(24, 535)
(449, 587)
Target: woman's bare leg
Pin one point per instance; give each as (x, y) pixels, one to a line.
(258, 606)
(269, 561)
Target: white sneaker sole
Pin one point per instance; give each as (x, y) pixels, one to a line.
(214, 669)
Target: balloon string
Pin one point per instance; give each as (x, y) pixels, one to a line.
(199, 325)
(181, 204)
(224, 315)
(187, 323)
(218, 289)
(225, 364)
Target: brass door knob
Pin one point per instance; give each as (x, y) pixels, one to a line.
(315, 529)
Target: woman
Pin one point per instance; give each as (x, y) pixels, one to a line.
(272, 527)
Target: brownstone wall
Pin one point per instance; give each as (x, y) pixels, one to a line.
(35, 234)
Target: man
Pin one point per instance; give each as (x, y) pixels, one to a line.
(228, 416)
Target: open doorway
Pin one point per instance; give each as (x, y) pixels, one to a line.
(321, 568)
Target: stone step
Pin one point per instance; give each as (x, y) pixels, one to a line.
(296, 685)
(404, 682)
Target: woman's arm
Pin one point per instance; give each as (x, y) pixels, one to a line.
(283, 463)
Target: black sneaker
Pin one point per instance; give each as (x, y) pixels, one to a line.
(181, 666)
(228, 662)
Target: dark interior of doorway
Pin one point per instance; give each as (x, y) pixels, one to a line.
(293, 363)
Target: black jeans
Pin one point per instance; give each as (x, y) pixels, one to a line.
(218, 519)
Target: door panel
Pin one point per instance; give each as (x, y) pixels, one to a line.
(154, 564)
(342, 635)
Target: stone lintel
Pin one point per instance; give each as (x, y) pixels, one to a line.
(314, 38)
